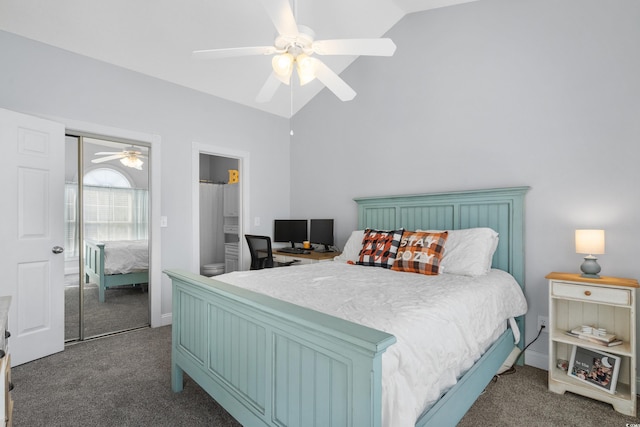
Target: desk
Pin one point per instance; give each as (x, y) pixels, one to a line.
(309, 258)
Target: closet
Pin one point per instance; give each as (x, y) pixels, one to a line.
(107, 206)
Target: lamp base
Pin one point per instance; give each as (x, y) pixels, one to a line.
(590, 267)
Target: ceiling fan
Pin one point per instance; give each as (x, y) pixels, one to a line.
(130, 157)
(294, 46)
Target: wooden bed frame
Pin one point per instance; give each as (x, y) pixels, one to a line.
(268, 362)
(94, 270)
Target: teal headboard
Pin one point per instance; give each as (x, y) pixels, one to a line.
(501, 209)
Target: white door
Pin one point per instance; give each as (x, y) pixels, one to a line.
(31, 233)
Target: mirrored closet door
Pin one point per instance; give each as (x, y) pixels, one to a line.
(107, 236)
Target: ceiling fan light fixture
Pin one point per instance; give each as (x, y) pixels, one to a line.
(132, 161)
(295, 44)
(283, 66)
(306, 67)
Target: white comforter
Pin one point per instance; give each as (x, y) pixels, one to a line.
(126, 256)
(442, 324)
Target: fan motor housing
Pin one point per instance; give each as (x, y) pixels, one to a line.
(300, 43)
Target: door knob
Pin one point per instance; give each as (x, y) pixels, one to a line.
(57, 250)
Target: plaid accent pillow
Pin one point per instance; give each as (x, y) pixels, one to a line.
(379, 248)
(420, 252)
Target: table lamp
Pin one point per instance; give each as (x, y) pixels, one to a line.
(590, 242)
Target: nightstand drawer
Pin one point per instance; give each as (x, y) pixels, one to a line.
(591, 293)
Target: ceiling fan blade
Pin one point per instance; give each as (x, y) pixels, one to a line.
(106, 159)
(268, 89)
(373, 47)
(232, 52)
(333, 82)
(103, 153)
(281, 14)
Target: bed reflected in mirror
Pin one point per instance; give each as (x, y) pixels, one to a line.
(107, 260)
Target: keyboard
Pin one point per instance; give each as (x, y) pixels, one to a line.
(293, 250)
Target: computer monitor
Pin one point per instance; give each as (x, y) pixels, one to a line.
(322, 233)
(290, 230)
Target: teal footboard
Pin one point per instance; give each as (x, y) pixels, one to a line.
(268, 362)
(94, 271)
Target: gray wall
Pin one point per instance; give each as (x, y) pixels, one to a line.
(488, 94)
(41, 80)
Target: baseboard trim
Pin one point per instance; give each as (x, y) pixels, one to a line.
(166, 319)
(71, 270)
(537, 360)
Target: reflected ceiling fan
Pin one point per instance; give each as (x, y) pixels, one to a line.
(130, 157)
(295, 46)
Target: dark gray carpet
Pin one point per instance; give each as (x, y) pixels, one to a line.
(124, 380)
(120, 380)
(125, 307)
(522, 399)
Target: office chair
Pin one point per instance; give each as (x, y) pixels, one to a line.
(260, 249)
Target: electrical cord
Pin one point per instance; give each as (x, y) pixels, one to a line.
(512, 369)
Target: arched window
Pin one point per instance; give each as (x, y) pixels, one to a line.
(105, 177)
(112, 209)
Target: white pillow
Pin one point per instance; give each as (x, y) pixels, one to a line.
(469, 252)
(351, 251)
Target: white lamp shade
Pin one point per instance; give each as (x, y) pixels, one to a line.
(283, 66)
(306, 68)
(132, 162)
(590, 242)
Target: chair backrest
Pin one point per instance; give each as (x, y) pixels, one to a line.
(260, 249)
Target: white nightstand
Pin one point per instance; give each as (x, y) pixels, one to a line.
(608, 302)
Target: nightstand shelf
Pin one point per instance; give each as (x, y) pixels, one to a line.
(623, 391)
(559, 335)
(609, 303)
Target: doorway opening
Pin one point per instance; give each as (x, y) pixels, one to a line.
(219, 195)
(229, 169)
(107, 236)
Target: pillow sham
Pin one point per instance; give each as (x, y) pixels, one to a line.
(420, 252)
(351, 251)
(468, 252)
(379, 248)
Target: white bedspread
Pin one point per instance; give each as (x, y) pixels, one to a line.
(442, 324)
(126, 256)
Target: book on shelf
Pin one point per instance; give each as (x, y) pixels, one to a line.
(605, 337)
(609, 341)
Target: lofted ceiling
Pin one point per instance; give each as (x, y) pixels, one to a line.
(156, 37)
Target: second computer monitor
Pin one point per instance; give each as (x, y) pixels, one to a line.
(321, 232)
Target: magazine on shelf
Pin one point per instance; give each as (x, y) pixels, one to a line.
(594, 367)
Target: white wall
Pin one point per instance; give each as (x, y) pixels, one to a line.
(543, 93)
(41, 80)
